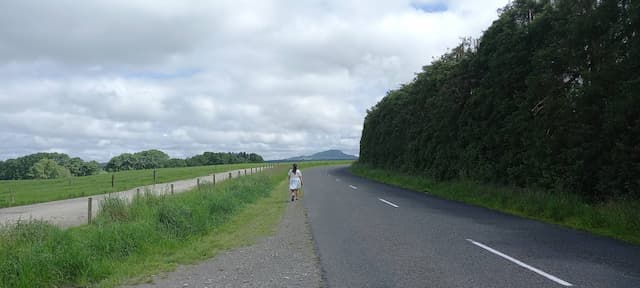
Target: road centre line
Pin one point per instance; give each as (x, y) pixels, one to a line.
(522, 264)
(389, 203)
(353, 187)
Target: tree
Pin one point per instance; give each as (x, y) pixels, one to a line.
(48, 169)
(20, 168)
(547, 98)
(175, 162)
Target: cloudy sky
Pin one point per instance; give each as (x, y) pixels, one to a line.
(281, 78)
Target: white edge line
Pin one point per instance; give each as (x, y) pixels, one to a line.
(522, 264)
(353, 187)
(385, 201)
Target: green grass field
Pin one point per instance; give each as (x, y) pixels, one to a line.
(127, 242)
(616, 219)
(23, 192)
(151, 233)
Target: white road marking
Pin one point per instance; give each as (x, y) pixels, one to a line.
(337, 179)
(353, 187)
(387, 202)
(522, 264)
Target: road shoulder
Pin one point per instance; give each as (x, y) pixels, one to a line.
(286, 259)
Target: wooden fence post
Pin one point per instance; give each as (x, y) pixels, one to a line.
(89, 214)
(230, 175)
(171, 188)
(113, 183)
(154, 176)
(198, 183)
(214, 178)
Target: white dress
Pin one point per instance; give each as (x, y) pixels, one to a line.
(294, 179)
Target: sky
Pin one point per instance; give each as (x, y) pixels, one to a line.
(95, 79)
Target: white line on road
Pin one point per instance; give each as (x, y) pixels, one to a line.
(353, 187)
(385, 201)
(522, 264)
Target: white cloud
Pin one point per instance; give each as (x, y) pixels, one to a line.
(280, 78)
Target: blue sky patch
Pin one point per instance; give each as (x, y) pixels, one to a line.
(435, 7)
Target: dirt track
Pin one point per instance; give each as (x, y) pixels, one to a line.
(73, 212)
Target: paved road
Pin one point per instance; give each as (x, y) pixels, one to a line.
(74, 212)
(373, 235)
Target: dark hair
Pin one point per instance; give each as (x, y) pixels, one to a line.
(295, 168)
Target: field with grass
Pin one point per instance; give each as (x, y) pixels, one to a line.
(23, 192)
(616, 219)
(129, 241)
(150, 233)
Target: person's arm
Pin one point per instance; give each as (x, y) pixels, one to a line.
(301, 182)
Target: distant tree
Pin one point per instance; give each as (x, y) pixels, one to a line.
(151, 159)
(89, 168)
(20, 168)
(175, 162)
(122, 162)
(255, 158)
(48, 169)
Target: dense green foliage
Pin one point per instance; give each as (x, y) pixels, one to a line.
(210, 158)
(35, 166)
(157, 159)
(548, 97)
(48, 169)
(35, 254)
(137, 161)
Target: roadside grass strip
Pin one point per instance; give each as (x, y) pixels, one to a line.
(150, 234)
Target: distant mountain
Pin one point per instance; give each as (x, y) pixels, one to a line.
(325, 155)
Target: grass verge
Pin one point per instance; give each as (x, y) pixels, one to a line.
(616, 219)
(23, 192)
(151, 234)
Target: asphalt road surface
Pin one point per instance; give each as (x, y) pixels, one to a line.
(374, 235)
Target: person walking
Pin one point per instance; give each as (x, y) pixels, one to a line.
(295, 181)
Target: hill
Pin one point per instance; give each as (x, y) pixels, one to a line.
(325, 155)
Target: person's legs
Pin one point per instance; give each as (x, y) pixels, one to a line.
(293, 193)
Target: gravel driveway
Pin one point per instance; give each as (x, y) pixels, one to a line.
(287, 259)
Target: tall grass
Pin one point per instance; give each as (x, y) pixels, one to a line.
(36, 254)
(617, 218)
(26, 192)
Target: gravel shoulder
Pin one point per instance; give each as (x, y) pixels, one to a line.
(286, 259)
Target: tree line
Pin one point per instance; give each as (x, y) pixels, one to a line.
(548, 97)
(46, 166)
(157, 159)
(59, 165)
